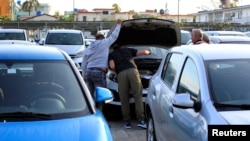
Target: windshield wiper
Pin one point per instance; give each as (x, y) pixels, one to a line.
(26, 115)
(242, 106)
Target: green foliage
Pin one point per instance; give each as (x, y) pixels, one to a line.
(117, 8)
(66, 18)
(30, 5)
(4, 19)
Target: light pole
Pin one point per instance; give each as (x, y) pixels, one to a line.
(178, 16)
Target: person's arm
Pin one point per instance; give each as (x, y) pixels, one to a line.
(114, 35)
(112, 64)
(143, 52)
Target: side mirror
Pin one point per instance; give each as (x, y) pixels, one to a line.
(103, 95)
(183, 100)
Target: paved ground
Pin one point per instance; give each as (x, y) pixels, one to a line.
(113, 115)
(122, 134)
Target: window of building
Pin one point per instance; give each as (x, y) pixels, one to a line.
(84, 18)
(105, 12)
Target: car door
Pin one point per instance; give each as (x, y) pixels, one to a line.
(163, 93)
(187, 123)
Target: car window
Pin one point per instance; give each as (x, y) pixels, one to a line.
(40, 87)
(157, 53)
(185, 37)
(171, 65)
(64, 39)
(12, 36)
(189, 80)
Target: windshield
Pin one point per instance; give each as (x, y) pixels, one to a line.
(230, 81)
(12, 36)
(64, 39)
(157, 53)
(42, 88)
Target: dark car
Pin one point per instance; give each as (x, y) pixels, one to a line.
(157, 35)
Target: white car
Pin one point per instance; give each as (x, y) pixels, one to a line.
(225, 33)
(197, 87)
(156, 35)
(69, 40)
(13, 34)
(88, 41)
(185, 36)
(17, 42)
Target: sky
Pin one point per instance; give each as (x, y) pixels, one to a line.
(185, 6)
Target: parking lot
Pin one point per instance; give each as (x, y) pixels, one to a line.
(113, 115)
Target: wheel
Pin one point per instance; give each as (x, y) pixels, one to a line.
(151, 130)
(51, 95)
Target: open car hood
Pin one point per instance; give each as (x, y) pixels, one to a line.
(148, 31)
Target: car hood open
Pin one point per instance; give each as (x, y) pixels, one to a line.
(148, 31)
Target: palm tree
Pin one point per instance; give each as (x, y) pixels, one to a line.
(117, 8)
(30, 5)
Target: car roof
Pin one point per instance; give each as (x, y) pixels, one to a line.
(29, 52)
(12, 30)
(216, 51)
(149, 31)
(64, 31)
(235, 33)
(230, 39)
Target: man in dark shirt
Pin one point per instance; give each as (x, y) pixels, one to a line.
(121, 61)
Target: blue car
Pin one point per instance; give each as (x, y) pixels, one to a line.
(44, 98)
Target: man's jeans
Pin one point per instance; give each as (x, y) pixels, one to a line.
(95, 78)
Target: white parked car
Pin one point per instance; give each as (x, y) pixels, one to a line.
(185, 36)
(197, 86)
(225, 33)
(156, 35)
(69, 40)
(13, 34)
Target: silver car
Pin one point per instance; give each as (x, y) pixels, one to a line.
(197, 86)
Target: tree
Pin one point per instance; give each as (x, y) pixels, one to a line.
(4, 19)
(117, 8)
(30, 5)
(57, 14)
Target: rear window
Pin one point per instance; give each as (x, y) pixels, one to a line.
(12, 36)
(64, 39)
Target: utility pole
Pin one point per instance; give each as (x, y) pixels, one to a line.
(178, 10)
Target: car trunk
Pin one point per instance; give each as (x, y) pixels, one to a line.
(149, 31)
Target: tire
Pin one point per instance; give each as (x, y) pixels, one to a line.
(151, 130)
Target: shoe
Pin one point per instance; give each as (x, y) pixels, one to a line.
(142, 124)
(127, 125)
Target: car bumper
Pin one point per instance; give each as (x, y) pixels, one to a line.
(113, 87)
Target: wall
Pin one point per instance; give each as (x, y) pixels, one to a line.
(5, 9)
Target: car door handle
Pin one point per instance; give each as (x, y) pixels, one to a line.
(171, 109)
